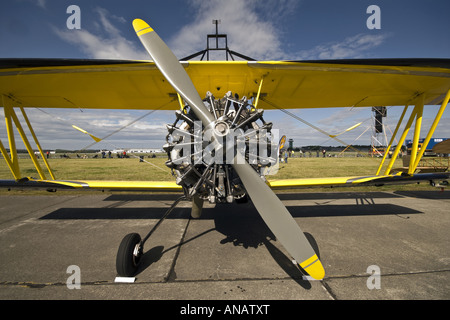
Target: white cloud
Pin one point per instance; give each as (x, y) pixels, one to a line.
(351, 47)
(111, 46)
(250, 26)
(255, 28)
(41, 3)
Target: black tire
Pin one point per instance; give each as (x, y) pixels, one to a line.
(127, 263)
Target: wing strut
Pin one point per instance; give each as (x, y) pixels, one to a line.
(259, 92)
(13, 163)
(418, 127)
(416, 153)
(433, 128)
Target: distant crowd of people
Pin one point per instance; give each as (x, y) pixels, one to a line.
(102, 155)
(285, 154)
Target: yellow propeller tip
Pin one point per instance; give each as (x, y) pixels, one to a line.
(141, 27)
(314, 267)
(316, 270)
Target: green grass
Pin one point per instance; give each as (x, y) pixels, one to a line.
(327, 167)
(154, 169)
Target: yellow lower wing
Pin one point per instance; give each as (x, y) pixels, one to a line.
(359, 181)
(165, 186)
(321, 182)
(171, 186)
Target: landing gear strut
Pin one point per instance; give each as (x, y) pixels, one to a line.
(131, 249)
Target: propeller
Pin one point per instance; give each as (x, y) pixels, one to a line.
(269, 206)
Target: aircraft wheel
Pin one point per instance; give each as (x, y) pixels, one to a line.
(129, 255)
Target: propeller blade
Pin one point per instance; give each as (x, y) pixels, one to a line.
(172, 70)
(279, 220)
(271, 209)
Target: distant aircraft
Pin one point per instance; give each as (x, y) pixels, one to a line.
(229, 164)
(429, 148)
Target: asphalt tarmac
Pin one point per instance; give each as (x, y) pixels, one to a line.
(374, 245)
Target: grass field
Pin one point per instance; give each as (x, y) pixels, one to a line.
(154, 169)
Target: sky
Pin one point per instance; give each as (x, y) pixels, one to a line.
(263, 30)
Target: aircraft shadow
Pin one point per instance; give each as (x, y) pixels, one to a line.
(130, 213)
(143, 197)
(281, 196)
(335, 195)
(248, 230)
(428, 194)
(241, 228)
(240, 225)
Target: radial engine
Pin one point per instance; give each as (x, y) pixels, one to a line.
(202, 158)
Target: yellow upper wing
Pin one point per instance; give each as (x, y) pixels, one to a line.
(111, 84)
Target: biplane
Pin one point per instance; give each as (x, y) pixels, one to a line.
(233, 122)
